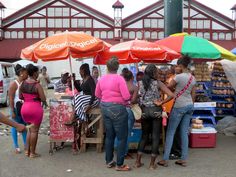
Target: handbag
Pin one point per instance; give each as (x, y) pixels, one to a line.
(136, 111)
(18, 107)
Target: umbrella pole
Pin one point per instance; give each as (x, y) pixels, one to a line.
(100, 71)
(136, 64)
(72, 81)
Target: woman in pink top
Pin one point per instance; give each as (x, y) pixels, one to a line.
(32, 112)
(113, 92)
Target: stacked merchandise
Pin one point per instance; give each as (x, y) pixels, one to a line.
(202, 75)
(222, 92)
(197, 124)
(202, 72)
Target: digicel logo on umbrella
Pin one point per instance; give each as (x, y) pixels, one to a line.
(82, 44)
(147, 48)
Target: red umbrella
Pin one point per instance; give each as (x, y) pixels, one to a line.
(136, 50)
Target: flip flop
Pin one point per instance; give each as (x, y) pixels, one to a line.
(129, 156)
(153, 167)
(183, 164)
(34, 155)
(138, 165)
(123, 168)
(26, 153)
(112, 164)
(163, 163)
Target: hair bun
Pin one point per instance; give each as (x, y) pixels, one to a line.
(18, 68)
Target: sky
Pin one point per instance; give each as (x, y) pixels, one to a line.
(131, 6)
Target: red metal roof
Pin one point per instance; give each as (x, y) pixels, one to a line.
(11, 48)
(229, 45)
(2, 6)
(234, 7)
(118, 4)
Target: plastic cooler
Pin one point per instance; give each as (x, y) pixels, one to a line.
(202, 138)
(135, 138)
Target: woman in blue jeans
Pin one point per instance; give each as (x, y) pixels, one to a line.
(14, 100)
(133, 90)
(113, 92)
(181, 113)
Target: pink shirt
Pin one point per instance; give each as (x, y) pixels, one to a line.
(112, 88)
(70, 93)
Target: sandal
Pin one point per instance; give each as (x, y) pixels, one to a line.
(112, 164)
(163, 163)
(129, 156)
(138, 165)
(17, 151)
(123, 168)
(181, 163)
(34, 155)
(152, 167)
(26, 153)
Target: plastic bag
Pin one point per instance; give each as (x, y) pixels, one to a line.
(227, 125)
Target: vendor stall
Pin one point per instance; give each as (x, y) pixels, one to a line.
(61, 111)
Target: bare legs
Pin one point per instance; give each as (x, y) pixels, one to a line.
(32, 138)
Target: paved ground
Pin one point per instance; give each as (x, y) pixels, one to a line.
(217, 162)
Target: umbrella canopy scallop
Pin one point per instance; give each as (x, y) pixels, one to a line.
(196, 47)
(136, 50)
(64, 45)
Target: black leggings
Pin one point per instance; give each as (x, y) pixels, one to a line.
(152, 126)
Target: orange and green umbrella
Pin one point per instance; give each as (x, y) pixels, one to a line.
(196, 47)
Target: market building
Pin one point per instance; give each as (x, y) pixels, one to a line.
(46, 17)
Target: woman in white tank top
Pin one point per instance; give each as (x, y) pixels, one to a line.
(13, 99)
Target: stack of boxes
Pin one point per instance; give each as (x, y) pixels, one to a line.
(202, 72)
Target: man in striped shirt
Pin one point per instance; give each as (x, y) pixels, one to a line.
(61, 85)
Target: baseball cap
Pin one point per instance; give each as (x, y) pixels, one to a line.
(173, 62)
(64, 72)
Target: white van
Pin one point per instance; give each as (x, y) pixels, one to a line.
(7, 75)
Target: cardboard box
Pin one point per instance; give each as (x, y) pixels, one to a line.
(202, 138)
